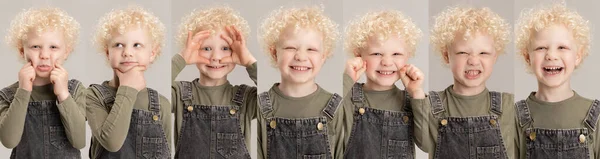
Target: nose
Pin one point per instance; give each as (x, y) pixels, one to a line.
(473, 60)
(551, 55)
(45, 54)
(386, 61)
(300, 56)
(127, 52)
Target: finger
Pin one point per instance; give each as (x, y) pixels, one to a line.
(403, 76)
(227, 39)
(202, 60)
(238, 34)
(189, 38)
(230, 32)
(361, 70)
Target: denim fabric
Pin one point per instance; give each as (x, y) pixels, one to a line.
(301, 138)
(211, 131)
(469, 137)
(145, 138)
(379, 133)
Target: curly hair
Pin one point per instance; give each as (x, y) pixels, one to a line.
(305, 17)
(214, 19)
(468, 21)
(120, 20)
(381, 25)
(536, 19)
(41, 20)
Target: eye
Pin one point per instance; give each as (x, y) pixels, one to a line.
(119, 45)
(207, 49)
(398, 54)
(462, 53)
(562, 47)
(226, 48)
(53, 47)
(375, 54)
(289, 48)
(484, 53)
(541, 48)
(36, 47)
(137, 45)
(312, 49)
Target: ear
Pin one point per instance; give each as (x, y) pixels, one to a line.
(356, 52)
(273, 53)
(445, 56)
(153, 54)
(526, 57)
(579, 57)
(22, 53)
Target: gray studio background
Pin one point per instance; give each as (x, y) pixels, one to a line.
(239, 75)
(330, 77)
(414, 10)
(584, 79)
(86, 63)
(503, 69)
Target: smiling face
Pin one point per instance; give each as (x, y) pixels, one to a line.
(471, 60)
(553, 55)
(384, 59)
(132, 48)
(44, 50)
(215, 48)
(299, 54)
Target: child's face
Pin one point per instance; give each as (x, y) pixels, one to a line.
(45, 50)
(130, 49)
(215, 48)
(553, 55)
(472, 60)
(384, 59)
(299, 54)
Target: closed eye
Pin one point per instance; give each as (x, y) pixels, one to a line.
(398, 54)
(375, 54)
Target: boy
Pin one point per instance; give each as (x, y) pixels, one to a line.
(216, 47)
(122, 112)
(377, 114)
(555, 121)
(43, 114)
(467, 120)
(297, 118)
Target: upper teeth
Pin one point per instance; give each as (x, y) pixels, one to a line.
(472, 72)
(552, 68)
(216, 66)
(301, 68)
(386, 72)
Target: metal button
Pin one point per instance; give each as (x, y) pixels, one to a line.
(532, 136)
(155, 117)
(444, 122)
(273, 124)
(405, 118)
(190, 108)
(582, 138)
(320, 126)
(232, 111)
(493, 122)
(361, 111)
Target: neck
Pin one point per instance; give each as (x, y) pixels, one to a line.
(554, 94)
(297, 89)
(115, 81)
(467, 90)
(40, 81)
(207, 81)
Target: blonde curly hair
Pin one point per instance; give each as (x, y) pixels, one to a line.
(214, 19)
(41, 20)
(536, 19)
(304, 17)
(121, 19)
(468, 21)
(382, 25)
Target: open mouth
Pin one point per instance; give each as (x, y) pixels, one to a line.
(385, 72)
(215, 67)
(300, 68)
(552, 70)
(472, 74)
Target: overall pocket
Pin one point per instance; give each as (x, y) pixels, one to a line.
(227, 144)
(152, 147)
(320, 156)
(488, 152)
(398, 149)
(58, 138)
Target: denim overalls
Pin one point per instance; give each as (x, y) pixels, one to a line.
(379, 133)
(303, 138)
(44, 133)
(211, 131)
(557, 143)
(468, 137)
(145, 138)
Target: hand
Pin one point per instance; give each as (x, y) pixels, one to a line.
(26, 77)
(192, 48)
(412, 78)
(133, 77)
(355, 67)
(240, 54)
(60, 81)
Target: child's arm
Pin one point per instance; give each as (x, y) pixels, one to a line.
(13, 113)
(165, 117)
(12, 118)
(72, 115)
(110, 124)
(413, 78)
(338, 121)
